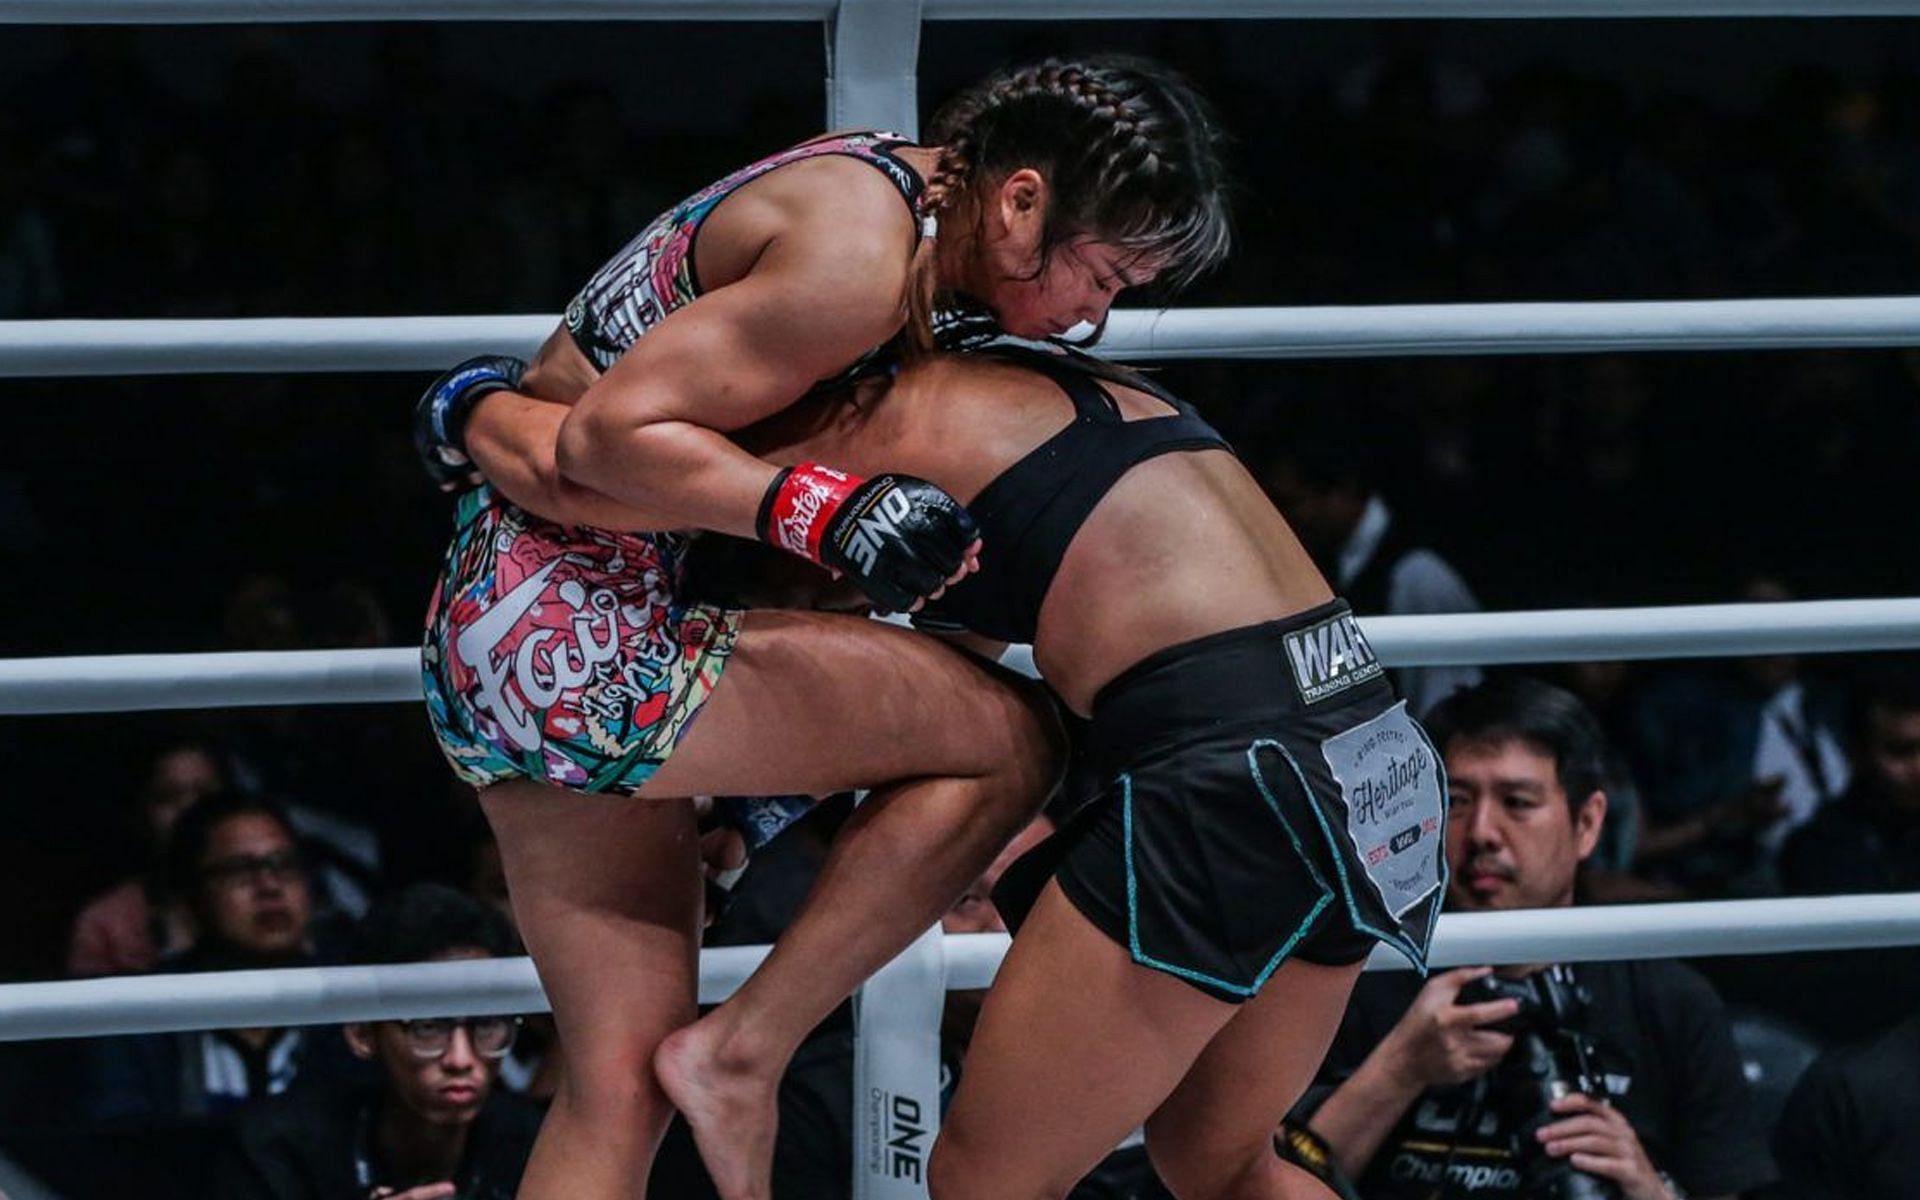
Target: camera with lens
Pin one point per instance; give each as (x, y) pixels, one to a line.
(1552, 1056)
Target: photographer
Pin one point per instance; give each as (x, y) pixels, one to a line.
(1448, 1089)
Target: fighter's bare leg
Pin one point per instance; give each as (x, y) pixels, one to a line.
(963, 757)
(606, 892)
(1077, 1045)
(1213, 1138)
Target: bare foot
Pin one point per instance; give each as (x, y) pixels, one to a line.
(732, 1109)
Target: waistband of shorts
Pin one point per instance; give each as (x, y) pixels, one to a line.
(468, 506)
(1222, 681)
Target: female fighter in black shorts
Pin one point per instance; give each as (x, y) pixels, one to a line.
(1186, 945)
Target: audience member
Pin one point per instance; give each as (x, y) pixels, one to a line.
(1733, 762)
(1869, 839)
(1439, 1084)
(434, 1125)
(1847, 1132)
(1380, 566)
(131, 926)
(233, 862)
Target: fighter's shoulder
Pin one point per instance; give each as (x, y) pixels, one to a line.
(836, 196)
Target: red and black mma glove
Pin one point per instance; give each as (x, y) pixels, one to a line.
(440, 416)
(897, 537)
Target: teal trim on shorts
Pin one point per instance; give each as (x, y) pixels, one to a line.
(1133, 906)
(1397, 940)
(1446, 868)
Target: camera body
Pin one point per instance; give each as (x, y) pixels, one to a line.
(1552, 1056)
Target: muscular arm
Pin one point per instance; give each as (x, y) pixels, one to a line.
(511, 438)
(652, 433)
(822, 284)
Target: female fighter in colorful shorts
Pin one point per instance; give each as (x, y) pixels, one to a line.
(562, 654)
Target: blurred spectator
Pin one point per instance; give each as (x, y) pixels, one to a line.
(1732, 763)
(233, 861)
(131, 926)
(434, 1125)
(1606, 688)
(1439, 1085)
(1322, 485)
(1847, 1132)
(1869, 839)
(333, 770)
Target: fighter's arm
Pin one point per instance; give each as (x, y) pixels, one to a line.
(651, 433)
(511, 440)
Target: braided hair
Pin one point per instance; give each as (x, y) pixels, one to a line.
(1130, 151)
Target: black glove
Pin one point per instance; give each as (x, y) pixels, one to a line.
(899, 538)
(440, 416)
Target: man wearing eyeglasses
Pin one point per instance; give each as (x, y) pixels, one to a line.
(234, 866)
(434, 1126)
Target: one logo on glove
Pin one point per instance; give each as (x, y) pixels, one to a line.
(863, 540)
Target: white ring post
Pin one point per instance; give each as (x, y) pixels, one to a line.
(896, 1072)
(873, 60)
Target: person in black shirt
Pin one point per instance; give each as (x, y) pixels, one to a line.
(235, 864)
(1869, 839)
(434, 1127)
(1847, 1130)
(1411, 1102)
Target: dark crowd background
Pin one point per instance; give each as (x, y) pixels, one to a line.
(411, 169)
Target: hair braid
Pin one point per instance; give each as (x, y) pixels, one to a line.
(1130, 152)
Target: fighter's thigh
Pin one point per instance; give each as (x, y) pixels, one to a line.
(815, 702)
(1076, 1045)
(1252, 1072)
(606, 891)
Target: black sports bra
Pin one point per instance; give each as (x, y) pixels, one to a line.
(1031, 511)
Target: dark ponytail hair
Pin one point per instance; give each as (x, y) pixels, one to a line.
(1130, 151)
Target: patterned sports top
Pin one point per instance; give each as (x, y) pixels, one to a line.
(655, 273)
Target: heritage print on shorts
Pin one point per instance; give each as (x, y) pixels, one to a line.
(1330, 657)
(1389, 778)
(558, 653)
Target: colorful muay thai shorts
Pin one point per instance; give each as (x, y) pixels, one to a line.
(563, 654)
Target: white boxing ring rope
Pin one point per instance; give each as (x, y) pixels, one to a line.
(333, 344)
(141, 682)
(325, 995)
